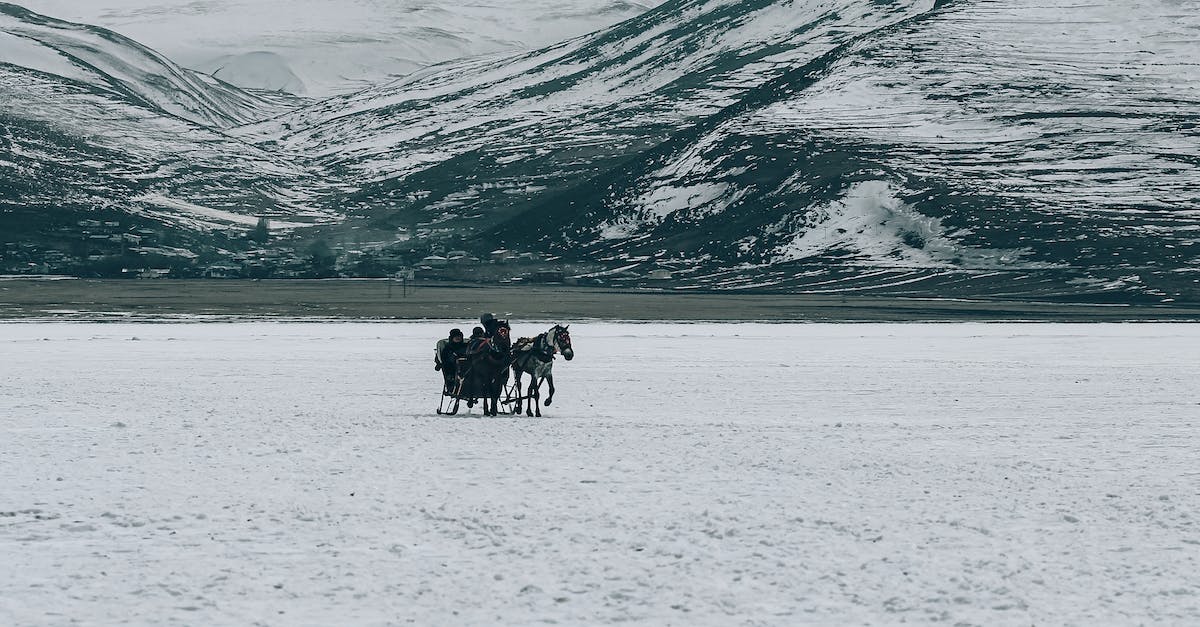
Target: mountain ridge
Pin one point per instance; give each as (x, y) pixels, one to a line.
(83, 54)
(341, 46)
(839, 146)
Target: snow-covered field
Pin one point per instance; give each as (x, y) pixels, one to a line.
(699, 474)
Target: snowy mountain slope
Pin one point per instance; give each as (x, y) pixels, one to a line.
(68, 149)
(907, 147)
(335, 46)
(688, 59)
(1078, 121)
(968, 148)
(92, 123)
(985, 137)
(468, 144)
(107, 61)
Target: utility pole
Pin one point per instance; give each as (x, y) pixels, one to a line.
(404, 276)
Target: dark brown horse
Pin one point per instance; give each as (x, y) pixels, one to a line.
(485, 371)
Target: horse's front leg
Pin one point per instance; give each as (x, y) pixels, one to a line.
(494, 393)
(550, 395)
(537, 398)
(531, 395)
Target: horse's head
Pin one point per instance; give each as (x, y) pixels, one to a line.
(562, 341)
(502, 339)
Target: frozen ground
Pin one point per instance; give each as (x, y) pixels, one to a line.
(688, 475)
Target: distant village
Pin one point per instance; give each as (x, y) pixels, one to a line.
(113, 249)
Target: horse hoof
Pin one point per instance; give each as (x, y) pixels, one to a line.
(548, 401)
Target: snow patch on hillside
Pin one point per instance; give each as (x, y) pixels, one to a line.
(664, 201)
(196, 216)
(871, 220)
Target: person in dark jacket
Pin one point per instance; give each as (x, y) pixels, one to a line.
(448, 352)
(475, 344)
(490, 324)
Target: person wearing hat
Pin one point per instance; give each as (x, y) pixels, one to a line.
(490, 324)
(476, 341)
(446, 359)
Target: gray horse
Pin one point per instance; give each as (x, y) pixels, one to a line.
(536, 358)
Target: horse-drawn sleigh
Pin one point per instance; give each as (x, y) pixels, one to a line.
(478, 371)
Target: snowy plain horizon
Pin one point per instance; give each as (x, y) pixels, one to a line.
(698, 474)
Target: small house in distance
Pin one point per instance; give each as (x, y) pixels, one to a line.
(221, 271)
(660, 274)
(461, 258)
(502, 256)
(548, 276)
